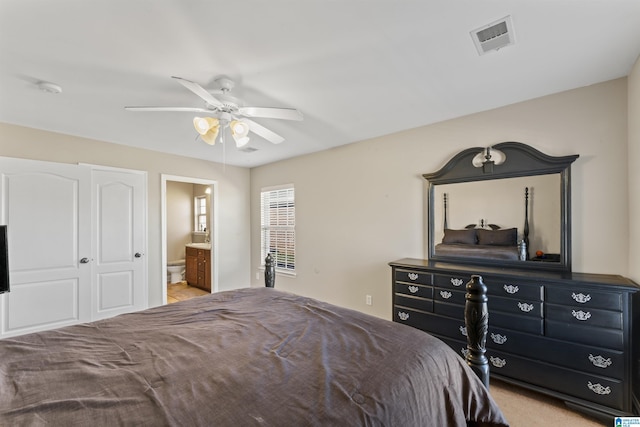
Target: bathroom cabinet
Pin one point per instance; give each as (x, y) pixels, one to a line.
(198, 270)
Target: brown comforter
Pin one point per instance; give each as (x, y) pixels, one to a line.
(251, 357)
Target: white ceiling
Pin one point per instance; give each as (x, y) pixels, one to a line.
(357, 69)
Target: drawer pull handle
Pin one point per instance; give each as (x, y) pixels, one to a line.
(600, 361)
(498, 339)
(413, 289)
(465, 352)
(456, 282)
(402, 315)
(581, 315)
(446, 294)
(511, 289)
(523, 306)
(463, 330)
(497, 362)
(598, 388)
(413, 276)
(581, 298)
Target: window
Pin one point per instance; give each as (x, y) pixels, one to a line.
(278, 220)
(201, 213)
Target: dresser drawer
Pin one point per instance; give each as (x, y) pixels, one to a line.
(415, 318)
(584, 316)
(515, 305)
(584, 298)
(451, 281)
(532, 325)
(413, 290)
(437, 325)
(514, 289)
(450, 296)
(597, 389)
(601, 337)
(579, 357)
(413, 302)
(414, 277)
(450, 310)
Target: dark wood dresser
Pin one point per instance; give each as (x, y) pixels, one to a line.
(568, 335)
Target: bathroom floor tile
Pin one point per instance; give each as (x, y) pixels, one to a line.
(181, 291)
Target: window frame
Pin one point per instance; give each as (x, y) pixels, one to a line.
(197, 201)
(285, 219)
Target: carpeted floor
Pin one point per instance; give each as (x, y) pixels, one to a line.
(524, 408)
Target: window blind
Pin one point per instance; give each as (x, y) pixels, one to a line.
(278, 220)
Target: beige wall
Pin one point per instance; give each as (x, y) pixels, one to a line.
(362, 205)
(233, 187)
(179, 218)
(634, 172)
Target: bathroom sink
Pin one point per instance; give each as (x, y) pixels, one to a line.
(199, 245)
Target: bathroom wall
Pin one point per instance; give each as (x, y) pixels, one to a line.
(179, 218)
(201, 190)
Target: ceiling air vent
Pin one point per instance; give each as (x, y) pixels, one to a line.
(494, 36)
(247, 149)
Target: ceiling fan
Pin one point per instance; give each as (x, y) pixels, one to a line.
(224, 110)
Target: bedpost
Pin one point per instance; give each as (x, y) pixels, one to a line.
(269, 272)
(526, 220)
(444, 196)
(476, 319)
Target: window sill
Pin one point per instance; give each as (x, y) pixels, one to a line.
(280, 272)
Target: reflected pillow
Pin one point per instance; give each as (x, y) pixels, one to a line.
(466, 237)
(506, 237)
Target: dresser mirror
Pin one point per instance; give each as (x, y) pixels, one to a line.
(485, 202)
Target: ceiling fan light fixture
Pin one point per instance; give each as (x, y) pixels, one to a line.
(210, 137)
(208, 128)
(240, 132)
(205, 124)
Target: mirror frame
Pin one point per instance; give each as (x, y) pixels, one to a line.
(520, 160)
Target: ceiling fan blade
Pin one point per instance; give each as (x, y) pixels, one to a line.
(272, 113)
(264, 132)
(167, 109)
(198, 90)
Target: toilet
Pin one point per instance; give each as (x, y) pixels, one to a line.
(175, 270)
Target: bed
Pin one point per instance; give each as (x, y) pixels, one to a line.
(248, 357)
(484, 241)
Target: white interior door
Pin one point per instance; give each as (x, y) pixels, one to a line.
(119, 282)
(47, 209)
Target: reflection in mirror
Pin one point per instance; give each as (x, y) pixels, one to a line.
(497, 197)
(501, 203)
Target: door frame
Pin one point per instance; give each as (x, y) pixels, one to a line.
(213, 226)
(144, 250)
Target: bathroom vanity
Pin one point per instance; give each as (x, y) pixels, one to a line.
(197, 264)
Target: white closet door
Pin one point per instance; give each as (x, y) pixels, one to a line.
(47, 209)
(119, 283)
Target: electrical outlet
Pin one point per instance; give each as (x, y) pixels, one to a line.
(257, 275)
(368, 300)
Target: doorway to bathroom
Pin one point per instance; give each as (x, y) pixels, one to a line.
(189, 225)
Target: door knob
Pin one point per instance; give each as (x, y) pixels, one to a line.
(84, 260)
(138, 255)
